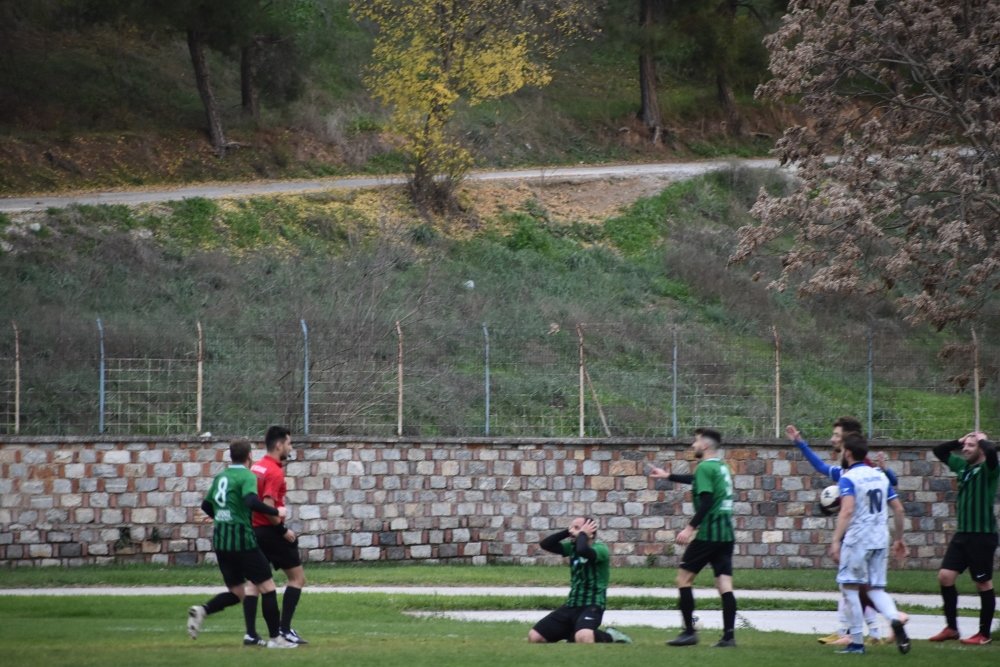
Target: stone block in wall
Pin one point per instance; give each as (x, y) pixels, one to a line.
(420, 551)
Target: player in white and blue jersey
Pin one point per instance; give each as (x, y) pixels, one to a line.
(860, 541)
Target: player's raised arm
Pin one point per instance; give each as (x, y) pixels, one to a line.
(818, 464)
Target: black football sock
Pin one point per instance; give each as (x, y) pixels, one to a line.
(250, 614)
(269, 605)
(289, 601)
(728, 615)
(601, 637)
(221, 601)
(686, 604)
(950, 596)
(988, 605)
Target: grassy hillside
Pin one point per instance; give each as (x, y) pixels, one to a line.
(352, 264)
(99, 106)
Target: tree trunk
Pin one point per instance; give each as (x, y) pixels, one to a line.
(649, 111)
(734, 121)
(249, 61)
(196, 46)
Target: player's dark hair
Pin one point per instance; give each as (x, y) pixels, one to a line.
(239, 451)
(275, 434)
(848, 424)
(710, 434)
(857, 445)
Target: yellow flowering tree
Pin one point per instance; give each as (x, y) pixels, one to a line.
(431, 55)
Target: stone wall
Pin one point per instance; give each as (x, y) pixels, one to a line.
(67, 501)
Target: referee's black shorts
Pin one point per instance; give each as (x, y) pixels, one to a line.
(973, 551)
(701, 552)
(284, 555)
(239, 566)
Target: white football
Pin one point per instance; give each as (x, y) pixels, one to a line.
(829, 499)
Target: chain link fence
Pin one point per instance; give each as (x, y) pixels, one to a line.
(591, 380)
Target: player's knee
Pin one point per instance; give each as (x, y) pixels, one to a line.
(946, 577)
(266, 586)
(584, 636)
(535, 638)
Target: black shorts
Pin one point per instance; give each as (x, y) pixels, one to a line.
(700, 553)
(284, 555)
(973, 551)
(239, 566)
(565, 621)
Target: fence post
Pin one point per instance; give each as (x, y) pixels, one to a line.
(975, 376)
(871, 381)
(305, 377)
(673, 400)
(777, 382)
(399, 380)
(17, 379)
(486, 375)
(579, 334)
(100, 387)
(200, 385)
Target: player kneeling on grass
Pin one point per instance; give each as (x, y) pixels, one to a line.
(590, 565)
(230, 499)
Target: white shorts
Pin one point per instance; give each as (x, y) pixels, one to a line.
(863, 566)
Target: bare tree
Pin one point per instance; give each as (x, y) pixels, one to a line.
(908, 94)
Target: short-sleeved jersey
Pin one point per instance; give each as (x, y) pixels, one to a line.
(270, 484)
(232, 530)
(872, 492)
(977, 490)
(713, 476)
(588, 579)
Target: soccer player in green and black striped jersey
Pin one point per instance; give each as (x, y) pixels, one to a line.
(590, 565)
(709, 536)
(974, 460)
(229, 502)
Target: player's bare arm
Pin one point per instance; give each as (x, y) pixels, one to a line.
(686, 535)
(898, 545)
(843, 521)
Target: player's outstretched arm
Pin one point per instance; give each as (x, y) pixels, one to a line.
(664, 473)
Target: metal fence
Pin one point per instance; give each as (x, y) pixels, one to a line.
(559, 381)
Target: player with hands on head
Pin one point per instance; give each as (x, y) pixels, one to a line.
(708, 536)
(974, 459)
(230, 500)
(860, 541)
(579, 619)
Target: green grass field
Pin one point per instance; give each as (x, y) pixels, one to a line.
(393, 574)
(374, 629)
(367, 629)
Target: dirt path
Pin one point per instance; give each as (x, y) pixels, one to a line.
(652, 173)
